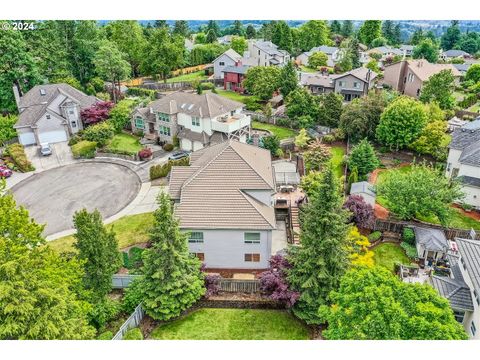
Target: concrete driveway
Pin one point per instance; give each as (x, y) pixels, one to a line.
(53, 196)
(61, 155)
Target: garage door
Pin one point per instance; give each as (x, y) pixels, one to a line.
(52, 136)
(27, 138)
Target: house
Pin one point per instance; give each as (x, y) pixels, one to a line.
(233, 77)
(333, 53)
(265, 53)
(196, 120)
(50, 113)
(364, 189)
(463, 160)
(462, 287)
(462, 68)
(431, 244)
(409, 76)
(386, 51)
(454, 54)
(228, 58)
(225, 40)
(350, 85)
(407, 49)
(224, 200)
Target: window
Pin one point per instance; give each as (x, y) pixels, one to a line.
(164, 130)
(251, 238)
(258, 52)
(473, 329)
(356, 85)
(341, 83)
(163, 117)
(477, 298)
(70, 112)
(459, 315)
(195, 121)
(74, 124)
(196, 237)
(47, 116)
(252, 257)
(139, 123)
(221, 63)
(455, 172)
(199, 256)
(418, 92)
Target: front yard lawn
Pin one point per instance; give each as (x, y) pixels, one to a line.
(281, 132)
(232, 95)
(197, 75)
(387, 254)
(338, 153)
(124, 143)
(233, 324)
(130, 230)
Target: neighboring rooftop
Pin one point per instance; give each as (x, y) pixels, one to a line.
(232, 54)
(470, 253)
(213, 190)
(362, 187)
(423, 69)
(469, 181)
(360, 73)
(466, 136)
(238, 69)
(430, 238)
(455, 53)
(316, 79)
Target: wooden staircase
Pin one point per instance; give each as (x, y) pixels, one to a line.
(295, 225)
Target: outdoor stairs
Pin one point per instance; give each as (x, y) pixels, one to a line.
(295, 225)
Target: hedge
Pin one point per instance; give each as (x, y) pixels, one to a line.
(134, 91)
(374, 236)
(100, 133)
(160, 171)
(17, 153)
(408, 236)
(410, 250)
(84, 149)
(107, 335)
(133, 334)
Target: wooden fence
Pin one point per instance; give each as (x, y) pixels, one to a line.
(122, 281)
(397, 227)
(133, 321)
(241, 286)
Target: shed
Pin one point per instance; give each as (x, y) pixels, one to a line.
(365, 190)
(431, 243)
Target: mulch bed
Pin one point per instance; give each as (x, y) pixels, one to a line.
(475, 215)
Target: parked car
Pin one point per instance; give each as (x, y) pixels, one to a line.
(177, 155)
(5, 172)
(45, 149)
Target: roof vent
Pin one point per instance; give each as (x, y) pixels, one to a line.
(190, 107)
(183, 106)
(43, 92)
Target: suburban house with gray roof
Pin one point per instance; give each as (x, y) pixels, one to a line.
(228, 58)
(224, 200)
(463, 160)
(50, 113)
(265, 53)
(333, 53)
(462, 287)
(454, 54)
(197, 120)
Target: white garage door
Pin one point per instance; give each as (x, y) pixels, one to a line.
(52, 136)
(27, 138)
(186, 144)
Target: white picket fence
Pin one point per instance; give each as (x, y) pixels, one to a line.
(133, 321)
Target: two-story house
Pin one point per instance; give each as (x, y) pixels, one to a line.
(463, 160)
(350, 85)
(228, 58)
(234, 76)
(224, 201)
(50, 113)
(462, 287)
(333, 53)
(196, 120)
(409, 76)
(265, 53)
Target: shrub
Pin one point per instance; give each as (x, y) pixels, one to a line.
(98, 112)
(168, 147)
(134, 91)
(408, 236)
(100, 133)
(133, 334)
(103, 312)
(211, 284)
(120, 115)
(7, 132)
(252, 103)
(135, 257)
(374, 236)
(328, 139)
(125, 259)
(271, 143)
(279, 153)
(362, 212)
(159, 171)
(410, 250)
(74, 140)
(17, 153)
(144, 153)
(133, 296)
(84, 149)
(338, 134)
(107, 335)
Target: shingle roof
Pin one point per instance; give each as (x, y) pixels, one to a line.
(360, 73)
(213, 193)
(34, 103)
(386, 50)
(316, 79)
(454, 289)
(465, 136)
(362, 187)
(470, 253)
(240, 69)
(462, 67)
(469, 181)
(423, 69)
(232, 54)
(455, 53)
(329, 50)
(270, 48)
(471, 154)
(431, 239)
(206, 105)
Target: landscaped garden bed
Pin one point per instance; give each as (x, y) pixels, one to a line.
(280, 132)
(233, 324)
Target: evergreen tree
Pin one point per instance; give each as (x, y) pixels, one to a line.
(363, 159)
(172, 280)
(98, 248)
(212, 31)
(322, 259)
(347, 28)
(160, 24)
(237, 28)
(417, 36)
(331, 106)
(354, 53)
(250, 33)
(451, 37)
(282, 36)
(288, 79)
(335, 27)
(387, 30)
(370, 30)
(181, 28)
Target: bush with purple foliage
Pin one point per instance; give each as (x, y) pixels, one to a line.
(145, 153)
(96, 113)
(362, 212)
(211, 283)
(274, 283)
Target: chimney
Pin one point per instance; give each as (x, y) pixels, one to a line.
(16, 93)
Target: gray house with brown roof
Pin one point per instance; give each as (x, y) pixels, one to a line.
(197, 120)
(50, 113)
(224, 200)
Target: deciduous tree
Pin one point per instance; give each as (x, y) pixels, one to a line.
(370, 30)
(362, 212)
(426, 49)
(317, 59)
(262, 81)
(439, 88)
(288, 80)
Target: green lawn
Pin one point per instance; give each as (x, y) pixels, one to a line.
(125, 143)
(337, 158)
(307, 69)
(232, 95)
(458, 220)
(130, 230)
(197, 75)
(475, 108)
(281, 132)
(233, 324)
(387, 254)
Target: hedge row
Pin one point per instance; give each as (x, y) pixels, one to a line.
(159, 171)
(84, 149)
(17, 153)
(134, 91)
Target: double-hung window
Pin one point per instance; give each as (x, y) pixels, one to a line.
(196, 237)
(252, 257)
(139, 123)
(163, 117)
(164, 130)
(251, 238)
(473, 329)
(195, 121)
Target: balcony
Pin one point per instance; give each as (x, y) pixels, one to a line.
(230, 124)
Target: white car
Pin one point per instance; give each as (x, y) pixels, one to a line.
(45, 149)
